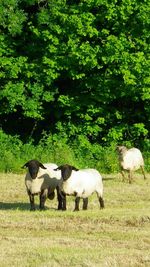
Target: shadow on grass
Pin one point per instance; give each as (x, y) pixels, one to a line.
(108, 178)
(20, 206)
(14, 206)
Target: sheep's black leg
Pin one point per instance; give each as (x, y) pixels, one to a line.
(130, 177)
(61, 197)
(123, 175)
(77, 201)
(42, 200)
(64, 202)
(142, 168)
(31, 198)
(101, 202)
(85, 203)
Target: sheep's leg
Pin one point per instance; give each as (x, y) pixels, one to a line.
(142, 168)
(61, 197)
(85, 203)
(99, 195)
(42, 200)
(64, 202)
(123, 176)
(101, 202)
(31, 198)
(77, 201)
(130, 177)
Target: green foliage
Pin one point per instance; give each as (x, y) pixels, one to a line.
(12, 17)
(9, 152)
(59, 149)
(75, 70)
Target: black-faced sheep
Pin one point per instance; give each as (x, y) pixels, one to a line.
(42, 180)
(130, 160)
(81, 184)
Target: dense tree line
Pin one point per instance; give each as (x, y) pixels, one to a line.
(75, 68)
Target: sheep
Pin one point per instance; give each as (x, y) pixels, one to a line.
(42, 180)
(81, 184)
(130, 160)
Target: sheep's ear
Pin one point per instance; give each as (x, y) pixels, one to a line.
(74, 168)
(58, 168)
(42, 166)
(25, 165)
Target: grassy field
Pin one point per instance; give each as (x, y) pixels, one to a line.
(117, 236)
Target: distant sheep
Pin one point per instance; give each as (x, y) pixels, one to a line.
(81, 184)
(130, 160)
(42, 180)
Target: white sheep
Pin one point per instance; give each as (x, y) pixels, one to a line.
(130, 160)
(42, 180)
(81, 184)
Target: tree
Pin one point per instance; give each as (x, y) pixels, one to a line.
(76, 67)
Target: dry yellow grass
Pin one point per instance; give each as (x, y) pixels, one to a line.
(117, 236)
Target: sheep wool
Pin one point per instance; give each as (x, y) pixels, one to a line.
(83, 183)
(42, 180)
(132, 159)
(45, 178)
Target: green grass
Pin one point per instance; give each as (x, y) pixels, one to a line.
(117, 236)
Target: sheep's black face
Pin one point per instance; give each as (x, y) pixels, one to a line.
(33, 167)
(66, 171)
(33, 170)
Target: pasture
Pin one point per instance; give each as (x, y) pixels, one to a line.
(117, 236)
